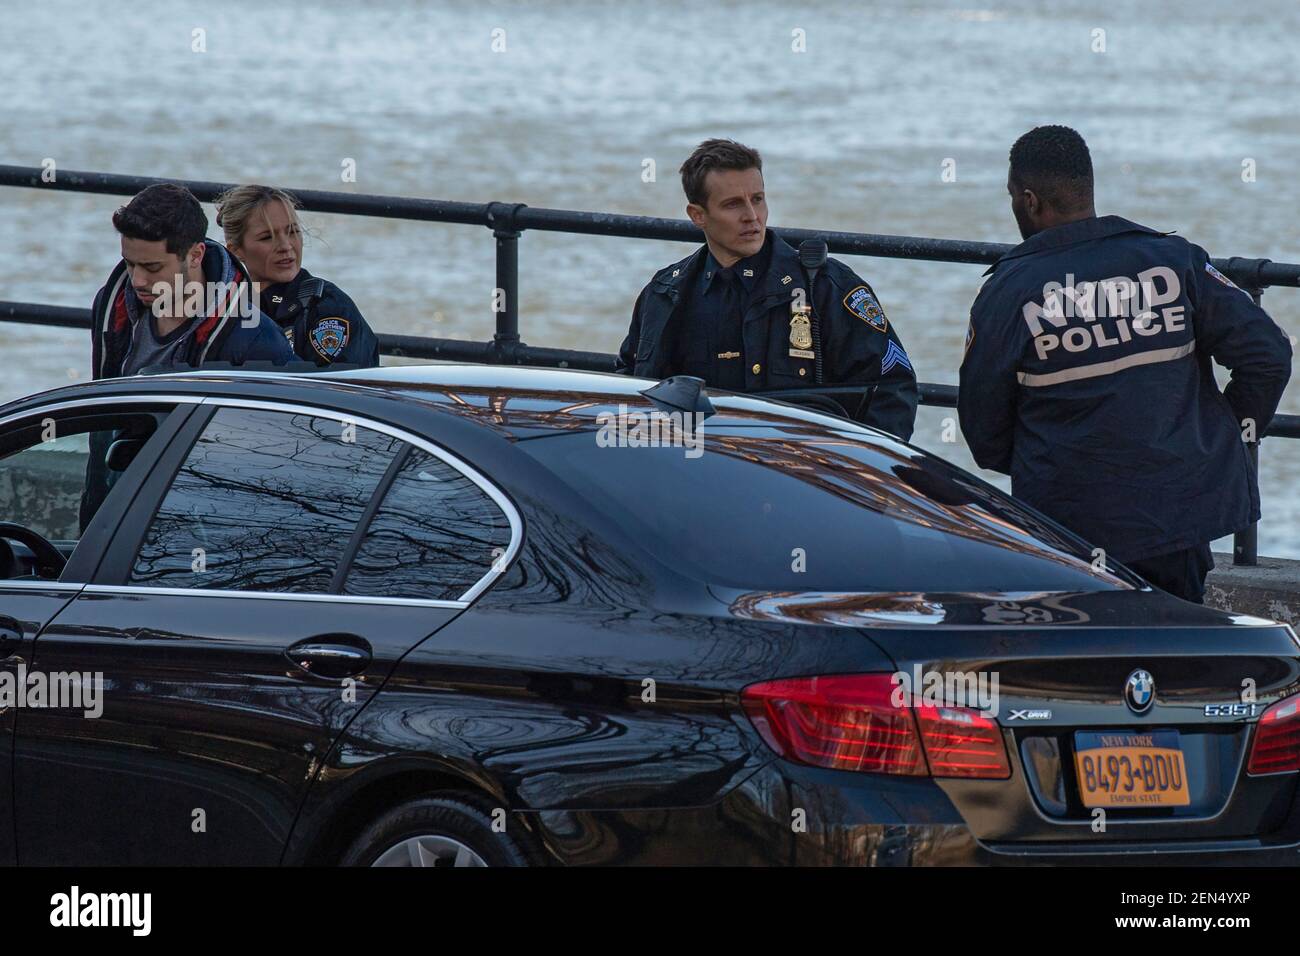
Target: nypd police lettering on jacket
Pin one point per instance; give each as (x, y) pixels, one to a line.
(1082, 329)
(1088, 377)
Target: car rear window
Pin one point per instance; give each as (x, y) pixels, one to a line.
(804, 509)
(435, 534)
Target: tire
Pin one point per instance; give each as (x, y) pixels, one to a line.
(446, 830)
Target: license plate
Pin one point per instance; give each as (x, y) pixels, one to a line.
(1126, 768)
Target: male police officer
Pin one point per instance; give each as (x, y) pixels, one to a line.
(1087, 374)
(737, 312)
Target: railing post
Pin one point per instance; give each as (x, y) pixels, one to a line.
(1245, 543)
(505, 299)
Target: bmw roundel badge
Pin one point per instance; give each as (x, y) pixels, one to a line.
(1140, 691)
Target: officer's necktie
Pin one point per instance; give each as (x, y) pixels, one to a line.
(730, 298)
(726, 338)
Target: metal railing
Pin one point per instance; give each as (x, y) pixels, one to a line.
(509, 220)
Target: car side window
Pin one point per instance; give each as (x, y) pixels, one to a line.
(54, 476)
(41, 485)
(265, 501)
(435, 534)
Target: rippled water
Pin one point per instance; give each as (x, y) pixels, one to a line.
(854, 132)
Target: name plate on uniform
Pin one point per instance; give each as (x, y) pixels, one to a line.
(803, 353)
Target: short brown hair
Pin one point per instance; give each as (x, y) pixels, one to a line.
(715, 154)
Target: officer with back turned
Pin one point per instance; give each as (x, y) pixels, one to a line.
(1088, 376)
(737, 312)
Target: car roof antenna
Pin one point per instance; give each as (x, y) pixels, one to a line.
(681, 393)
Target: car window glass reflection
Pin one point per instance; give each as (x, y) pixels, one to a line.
(265, 501)
(435, 535)
(815, 512)
(55, 473)
(41, 486)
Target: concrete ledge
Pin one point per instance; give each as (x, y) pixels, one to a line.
(1270, 589)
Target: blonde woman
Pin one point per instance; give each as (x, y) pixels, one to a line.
(321, 323)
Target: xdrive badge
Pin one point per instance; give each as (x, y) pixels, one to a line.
(1030, 715)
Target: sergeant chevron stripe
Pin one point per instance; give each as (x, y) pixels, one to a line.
(895, 356)
(1106, 368)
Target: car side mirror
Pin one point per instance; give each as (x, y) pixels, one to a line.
(122, 452)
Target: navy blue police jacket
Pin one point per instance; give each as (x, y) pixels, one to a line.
(321, 322)
(1088, 378)
(859, 344)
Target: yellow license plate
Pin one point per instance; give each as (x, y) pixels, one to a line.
(1131, 769)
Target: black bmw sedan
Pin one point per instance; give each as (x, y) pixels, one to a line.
(441, 615)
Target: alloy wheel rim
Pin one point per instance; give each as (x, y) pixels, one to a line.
(429, 850)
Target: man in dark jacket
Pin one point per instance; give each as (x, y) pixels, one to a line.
(1087, 375)
(738, 314)
(174, 299)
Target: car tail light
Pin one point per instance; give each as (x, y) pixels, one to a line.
(960, 742)
(849, 722)
(1277, 739)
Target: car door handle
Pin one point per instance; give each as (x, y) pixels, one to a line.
(336, 656)
(10, 641)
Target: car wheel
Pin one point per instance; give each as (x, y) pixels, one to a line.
(434, 831)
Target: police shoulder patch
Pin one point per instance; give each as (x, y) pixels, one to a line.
(1209, 267)
(861, 302)
(329, 336)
